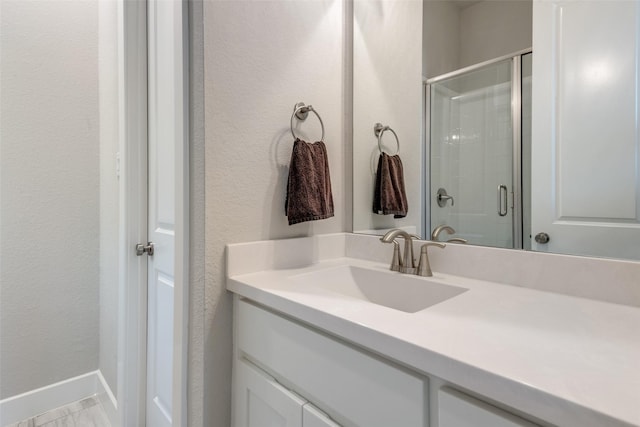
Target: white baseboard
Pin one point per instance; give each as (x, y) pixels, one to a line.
(41, 400)
(108, 400)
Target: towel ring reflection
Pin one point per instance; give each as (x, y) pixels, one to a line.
(379, 129)
(301, 112)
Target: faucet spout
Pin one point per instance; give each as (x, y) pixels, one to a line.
(408, 264)
(435, 234)
(391, 235)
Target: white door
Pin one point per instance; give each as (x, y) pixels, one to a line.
(585, 149)
(259, 401)
(166, 124)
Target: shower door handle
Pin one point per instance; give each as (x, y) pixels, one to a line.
(502, 200)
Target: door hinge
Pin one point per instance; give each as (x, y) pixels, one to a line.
(141, 249)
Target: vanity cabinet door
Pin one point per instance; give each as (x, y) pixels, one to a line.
(355, 388)
(259, 401)
(456, 409)
(313, 417)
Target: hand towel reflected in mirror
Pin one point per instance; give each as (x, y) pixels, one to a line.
(309, 196)
(389, 195)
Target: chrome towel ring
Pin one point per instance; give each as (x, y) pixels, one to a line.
(379, 129)
(301, 112)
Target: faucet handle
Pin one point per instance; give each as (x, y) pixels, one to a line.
(424, 268)
(396, 261)
(457, 240)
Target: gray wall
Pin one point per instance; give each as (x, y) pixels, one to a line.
(459, 34)
(49, 203)
(109, 190)
(260, 58)
(387, 88)
(441, 37)
(491, 29)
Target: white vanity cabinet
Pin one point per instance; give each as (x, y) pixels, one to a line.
(456, 409)
(313, 417)
(364, 364)
(288, 375)
(259, 401)
(353, 387)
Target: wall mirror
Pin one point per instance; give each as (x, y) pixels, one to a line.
(516, 121)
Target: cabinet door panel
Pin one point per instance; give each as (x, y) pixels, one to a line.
(353, 387)
(313, 417)
(459, 410)
(259, 401)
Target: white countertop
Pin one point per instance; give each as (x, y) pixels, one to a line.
(566, 360)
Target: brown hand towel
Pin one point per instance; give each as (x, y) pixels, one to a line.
(309, 186)
(389, 196)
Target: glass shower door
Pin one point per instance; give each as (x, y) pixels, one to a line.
(472, 144)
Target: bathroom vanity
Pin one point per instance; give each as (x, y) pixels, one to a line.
(326, 335)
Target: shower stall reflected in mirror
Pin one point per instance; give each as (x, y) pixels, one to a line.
(479, 137)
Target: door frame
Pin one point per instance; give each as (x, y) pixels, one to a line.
(132, 291)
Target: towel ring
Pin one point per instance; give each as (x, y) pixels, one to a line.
(379, 129)
(301, 112)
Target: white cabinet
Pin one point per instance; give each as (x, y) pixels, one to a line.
(289, 375)
(456, 409)
(261, 402)
(313, 417)
(354, 387)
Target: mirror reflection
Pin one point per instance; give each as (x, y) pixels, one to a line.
(475, 133)
(463, 102)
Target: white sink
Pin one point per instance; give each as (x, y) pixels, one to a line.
(394, 290)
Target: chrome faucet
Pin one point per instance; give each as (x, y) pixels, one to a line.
(407, 263)
(435, 234)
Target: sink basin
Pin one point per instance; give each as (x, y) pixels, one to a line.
(393, 290)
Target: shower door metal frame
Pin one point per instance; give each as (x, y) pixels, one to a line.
(516, 124)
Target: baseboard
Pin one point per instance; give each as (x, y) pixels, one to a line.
(108, 400)
(35, 402)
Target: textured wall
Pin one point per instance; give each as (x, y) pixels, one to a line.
(49, 193)
(197, 225)
(109, 206)
(387, 88)
(260, 58)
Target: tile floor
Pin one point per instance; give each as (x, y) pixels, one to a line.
(84, 413)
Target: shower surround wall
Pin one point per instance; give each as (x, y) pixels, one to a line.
(58, 187)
